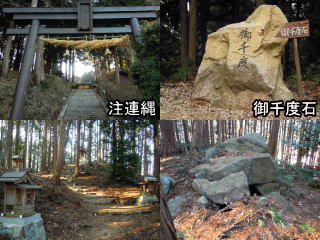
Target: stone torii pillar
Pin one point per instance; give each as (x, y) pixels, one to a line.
(23, 81)
(136, 29)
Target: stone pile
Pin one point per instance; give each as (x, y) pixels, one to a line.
(246, 167)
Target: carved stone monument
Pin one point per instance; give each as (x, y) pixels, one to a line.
(242, 62)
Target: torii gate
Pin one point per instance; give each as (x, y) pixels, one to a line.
(86, 16)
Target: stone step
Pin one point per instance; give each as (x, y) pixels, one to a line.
(99, 201)
(126, 210)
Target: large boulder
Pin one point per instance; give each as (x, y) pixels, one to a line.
(252, 142)
(229, 189)
(175, 204)
(267, 188)
(242, 62)
(166, 183)
(258, 167)
(201, 185)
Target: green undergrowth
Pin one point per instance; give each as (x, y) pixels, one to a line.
(44, 101)
(277, 217)
(306, 227)
(291, 173)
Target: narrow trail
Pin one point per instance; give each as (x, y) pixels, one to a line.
(108, 220)
(83, 104)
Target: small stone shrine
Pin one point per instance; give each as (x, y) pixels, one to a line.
(19, 193)
(149, 188)
(17, 162)
(18, 218)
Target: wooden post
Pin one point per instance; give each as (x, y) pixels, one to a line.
(5, 200)
(295, 30)
(116, 65)
(298, 66)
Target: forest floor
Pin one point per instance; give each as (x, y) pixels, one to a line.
(242, 219)
(176, 103)
(79, 211)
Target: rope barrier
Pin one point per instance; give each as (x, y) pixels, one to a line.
(84, 44)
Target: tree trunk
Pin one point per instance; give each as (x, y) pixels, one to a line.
(193, 31)
(183, 32)
(24, 156)
(55, 142)
(206, 133)
(156, 171)
(241, 128)
(219, 130)
(116, 65)
(99, 144)
(211, 132)
(30, 146)
(223, 129)
(9, 144)
(186, 131)
(168, 145)
(76, 170)
(273, 140)
(198, 140)
(58, 165)
(114, 142)
(145, 154)
(254, 126)
(301, 150)
(89, 150)
(6, 54)
(203, 8)
(177, 131)
(17, 139)
(44, 147)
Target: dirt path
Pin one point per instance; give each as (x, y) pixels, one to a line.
(130, 221)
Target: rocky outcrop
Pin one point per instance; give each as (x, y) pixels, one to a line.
(229, 189)
(242, 62)
(175, 204)
(166, 183)
(252, 142)
(259, 169)
(267, 188)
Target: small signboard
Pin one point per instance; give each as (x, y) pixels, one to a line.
(294, 30)
(84, 15)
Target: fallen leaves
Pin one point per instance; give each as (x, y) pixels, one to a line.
(176, 104)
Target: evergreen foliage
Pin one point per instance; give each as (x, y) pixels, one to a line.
(145, 71)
